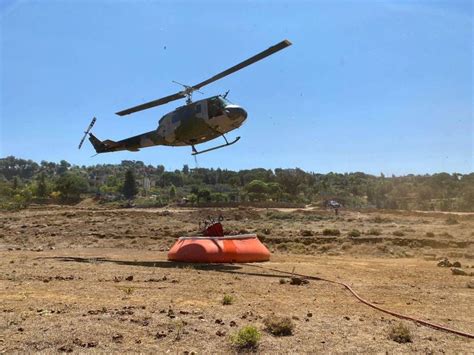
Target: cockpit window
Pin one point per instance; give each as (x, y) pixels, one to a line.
(223, 101)
(215, 107)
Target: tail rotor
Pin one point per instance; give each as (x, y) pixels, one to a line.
(87, 131)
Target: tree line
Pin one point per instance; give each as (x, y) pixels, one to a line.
(25, 181)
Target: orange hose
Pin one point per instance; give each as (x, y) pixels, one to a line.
(395, 314)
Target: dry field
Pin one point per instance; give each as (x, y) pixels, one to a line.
(91, 279)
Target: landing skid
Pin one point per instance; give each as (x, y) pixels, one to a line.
(195, 152)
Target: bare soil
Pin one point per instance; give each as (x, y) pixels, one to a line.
(86, 278)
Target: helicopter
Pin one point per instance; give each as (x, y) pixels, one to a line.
(194, 123)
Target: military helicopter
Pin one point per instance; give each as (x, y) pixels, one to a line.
(194, 123)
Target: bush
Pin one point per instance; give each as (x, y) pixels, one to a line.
(306, 233)
(374, 231)
(71, 186)
(398, 233)
(451, 220)
(246, 337)
(354, 233)
(378, 219)
(279, 325)
(227, 300)
(429, 235)
(279, 215)
(400, 333)
(329, 231)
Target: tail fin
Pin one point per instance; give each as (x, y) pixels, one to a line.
(102, 146)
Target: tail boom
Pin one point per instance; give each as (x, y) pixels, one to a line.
(132, 144)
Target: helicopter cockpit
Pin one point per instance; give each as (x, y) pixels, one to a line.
(216, 106)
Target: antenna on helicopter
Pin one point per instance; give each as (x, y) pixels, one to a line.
(226, 93)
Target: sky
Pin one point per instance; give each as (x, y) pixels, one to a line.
(371, 86)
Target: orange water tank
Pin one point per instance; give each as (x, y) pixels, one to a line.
(228, 249)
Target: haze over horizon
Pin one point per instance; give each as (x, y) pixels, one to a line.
(371, 87)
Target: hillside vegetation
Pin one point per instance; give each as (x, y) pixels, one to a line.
(25, 181)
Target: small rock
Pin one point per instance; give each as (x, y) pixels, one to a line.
(456, 264)
(91, 344)
(65, 349)
(232, 323)
(445, 263)
(117, 338)
(309, 315)
(298, 281)
(458, 272)
(220, 333)
(160, 335)
(129, 278)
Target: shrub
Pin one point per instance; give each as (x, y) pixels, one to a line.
(446, 235)
(279, 325)
(306, 233)
(398, 233)
(451, 220)
(246, 337)
(354, 233)
(374, 231)
(429, 235)
(279, 215)
(329, 231)
(400, 333)
(227, 300)
(379, 219)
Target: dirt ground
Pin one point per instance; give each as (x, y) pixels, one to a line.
(86, 278)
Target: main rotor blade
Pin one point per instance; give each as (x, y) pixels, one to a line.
(255, 58)
(151, 104)
(182, 94)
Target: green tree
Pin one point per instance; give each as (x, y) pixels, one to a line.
(42, 188)
(129, 188)
(172, 192)
(185, 169)
(257, 190)
(203, 195)
(71, 185)
(63, 167)
(16, 183)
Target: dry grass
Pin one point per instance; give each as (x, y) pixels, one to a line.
(59, 291)
(227, 300)
(279, 326)
(400, 333)
(331, 231)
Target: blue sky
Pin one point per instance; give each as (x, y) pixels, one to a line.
(373, 86)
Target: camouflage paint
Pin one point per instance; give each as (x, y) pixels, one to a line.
(187, 125)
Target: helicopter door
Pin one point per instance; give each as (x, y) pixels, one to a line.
(200, 109)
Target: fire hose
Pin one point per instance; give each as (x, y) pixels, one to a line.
(370, 304)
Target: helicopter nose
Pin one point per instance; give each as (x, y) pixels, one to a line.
(236, 112)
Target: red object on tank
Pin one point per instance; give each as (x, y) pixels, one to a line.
(214, 230)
